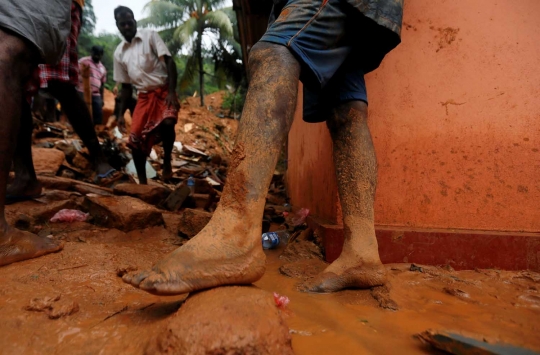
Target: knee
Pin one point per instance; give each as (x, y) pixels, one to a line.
(270, 55)
(168, 123)
(348, 113)
(17, 58)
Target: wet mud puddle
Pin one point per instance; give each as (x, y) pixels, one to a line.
(73, 302)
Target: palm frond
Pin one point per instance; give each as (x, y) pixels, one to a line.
(185, 32)
(190, 73)
(220, 21)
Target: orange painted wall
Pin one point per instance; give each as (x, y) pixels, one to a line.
(455, 117)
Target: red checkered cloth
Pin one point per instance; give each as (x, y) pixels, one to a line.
(67, 70)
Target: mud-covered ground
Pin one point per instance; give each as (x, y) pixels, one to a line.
(73, 302)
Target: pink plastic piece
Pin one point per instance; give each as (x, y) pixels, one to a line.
(300, 217)
(69, 216)
(281, 301)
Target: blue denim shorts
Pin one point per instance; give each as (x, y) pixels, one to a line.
(320, 33)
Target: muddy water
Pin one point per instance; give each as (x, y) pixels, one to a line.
(114, 318)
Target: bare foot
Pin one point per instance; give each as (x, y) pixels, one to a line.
(347, 272)
(167, 170)
(16, 245)
(22, 188)
(103, 167)
(216, 256)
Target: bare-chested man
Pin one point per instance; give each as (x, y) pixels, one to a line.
(329, 45)
(31, 32)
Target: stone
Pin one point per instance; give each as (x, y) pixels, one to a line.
(69, 150)
(81, 162)
(177, 198)
(47, 161)
(152, 194)
(192, 222)
(39, 212)
(65, 184)
(225, 320)
(301, 250)
(122, 212)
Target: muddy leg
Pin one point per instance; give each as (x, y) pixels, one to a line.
(168, 135)
(15, 66)
(26, 182)
(139, 159)
(228, 250)
(359, 265)
(79, 117)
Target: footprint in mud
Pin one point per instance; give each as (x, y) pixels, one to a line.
(456, 292)
(531, 300)
(54, 307)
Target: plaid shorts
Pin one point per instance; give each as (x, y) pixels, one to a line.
(67, 71)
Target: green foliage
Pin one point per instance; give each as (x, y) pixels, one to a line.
(234, 101)
(183, 24)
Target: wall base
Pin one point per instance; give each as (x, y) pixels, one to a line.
(461, 249)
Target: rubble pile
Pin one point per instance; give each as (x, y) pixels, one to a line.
(204, 143)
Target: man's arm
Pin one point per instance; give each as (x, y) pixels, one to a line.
(172, 77)
(125, 94)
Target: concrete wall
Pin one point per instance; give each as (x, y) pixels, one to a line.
(455, 117)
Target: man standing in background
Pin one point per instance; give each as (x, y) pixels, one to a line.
(98, 78)
(142, 60)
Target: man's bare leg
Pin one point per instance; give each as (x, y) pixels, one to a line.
(15, 67)
(26, 183)
(139, 159)
(168, 135)
(359, 265)
(228, 250)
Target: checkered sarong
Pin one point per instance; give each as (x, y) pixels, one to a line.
(67, 70)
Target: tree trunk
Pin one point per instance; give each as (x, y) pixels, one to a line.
(201, 69)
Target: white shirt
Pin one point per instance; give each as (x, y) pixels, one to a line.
(141, 62)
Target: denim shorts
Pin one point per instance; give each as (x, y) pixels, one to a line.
(320, 33)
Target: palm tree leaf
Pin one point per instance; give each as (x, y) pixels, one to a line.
(185, 32)
(190, 73)
(220, 21)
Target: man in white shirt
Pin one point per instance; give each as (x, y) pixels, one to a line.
(142, 60)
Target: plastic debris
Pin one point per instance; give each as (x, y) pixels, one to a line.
(150, 171)
(117, 133)
(69, 216)
(153, 155)
(300, 217)
(281, 301)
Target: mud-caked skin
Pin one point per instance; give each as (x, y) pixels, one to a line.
(228, 250)
(17, 60)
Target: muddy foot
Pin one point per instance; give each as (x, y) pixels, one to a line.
(167, 170)
(332, 280)
(208, 260)
(16, 245)
(22, 190)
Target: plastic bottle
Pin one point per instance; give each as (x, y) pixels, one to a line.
(191, 184)
(271, 240)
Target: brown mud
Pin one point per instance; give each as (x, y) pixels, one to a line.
(97, 313)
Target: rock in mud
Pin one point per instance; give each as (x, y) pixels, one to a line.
(226, 320)
(122, 212)
(303, 269)
(151, 194)
(301, 250)
(192, 222)
(47, 161)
